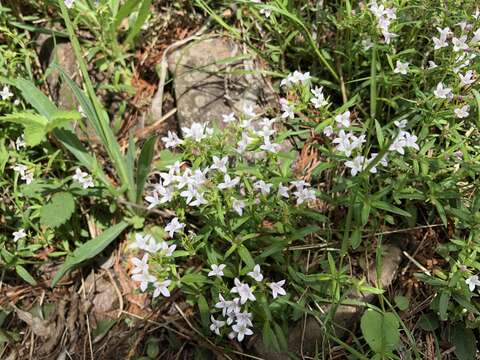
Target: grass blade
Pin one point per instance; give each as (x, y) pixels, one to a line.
(143, 165)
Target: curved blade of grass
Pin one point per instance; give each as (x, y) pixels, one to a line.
(89, 250)
(139, 21)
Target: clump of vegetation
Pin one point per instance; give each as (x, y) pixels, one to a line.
(258, 220)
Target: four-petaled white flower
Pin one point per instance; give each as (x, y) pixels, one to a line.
(216, 325)
(20, 234)
(442, 92)
(83, 178)
(220, 164)
(459, 43)
(161, 288)
(462, 112)
(431, 65)
(174, 226)
(263, 187)
(356, 165)
(277, 288)
(343, 120)
(287, 109)
(401, 68)
(256, 273)
(228, 118)
(197, 131)
(6, 93)
(239, 331)
(217, 270)
(466, 79)
(304, 195)
(140, 242)
(144, 279)
(171, 140)
(228, 182)
(152, 200)
(243, 290)
(141, 265)
(238, 206)
(249, 110)
(472, 282)
(167, 250)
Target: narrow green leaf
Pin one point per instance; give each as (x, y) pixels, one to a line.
(144, 164)
(246, 256)
(125, 11)
(25, 275)
(142, 16)
(89, 250)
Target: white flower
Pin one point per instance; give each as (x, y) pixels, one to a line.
(287, 109)
(144, 279)
(367, 44)
(69, 3)
(28, 177)
(189, 194)
(20, 234)
(383, 161)
(20, 143)
(343, 120)
(197, 131)
(277, 288)
(6, 93)
(244, 318)
(175, 168)
(462, 112)
(20, 168)
(83, 178)
(220, 164)
(256, 274)
(401, 68)
(141, 265)
(244, 291)
(239, 331)
(328, 131)
(223, 304)
(217, 270)
(171, 140)
(152, 200)
(166, 249)
(174, 226)
(199, 199)
(401, 124)
(161, 288)
(228, 118)
(356, 165)
(411, 141)
(472, 282)
(228, 182)
(466, 79)
(319, 102)
(216, 325)
(459, 43)
(184, 179)
(304, 195)
(299, 184)
(439, 43)
(140, 242)
(166, 193)
(152, 246)
(398, 145)
(266, 12)
(249, 110)
(238, 206)
(442, 92)
(263, 187)
(270, 147)
(444, 33)
(476, 36)
(432, 65)
(283, 191)
(388, 36)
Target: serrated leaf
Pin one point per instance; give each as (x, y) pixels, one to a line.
(58, 210)
(89, 250)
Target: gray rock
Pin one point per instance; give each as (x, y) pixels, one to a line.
(208, 83)
(307, 336)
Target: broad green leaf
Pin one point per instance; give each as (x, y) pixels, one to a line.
(58, 210)
(428, 322)
(25, 275)
(464, 341)
(402, 302)
(89, 250)
(34, 96)
(143, 166)
(34, 125)
(380, 330)
(60, 118)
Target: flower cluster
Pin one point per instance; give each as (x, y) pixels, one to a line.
(83, 178)
(231, 310)
(25, 174)
(161, 253)
(385, 16)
